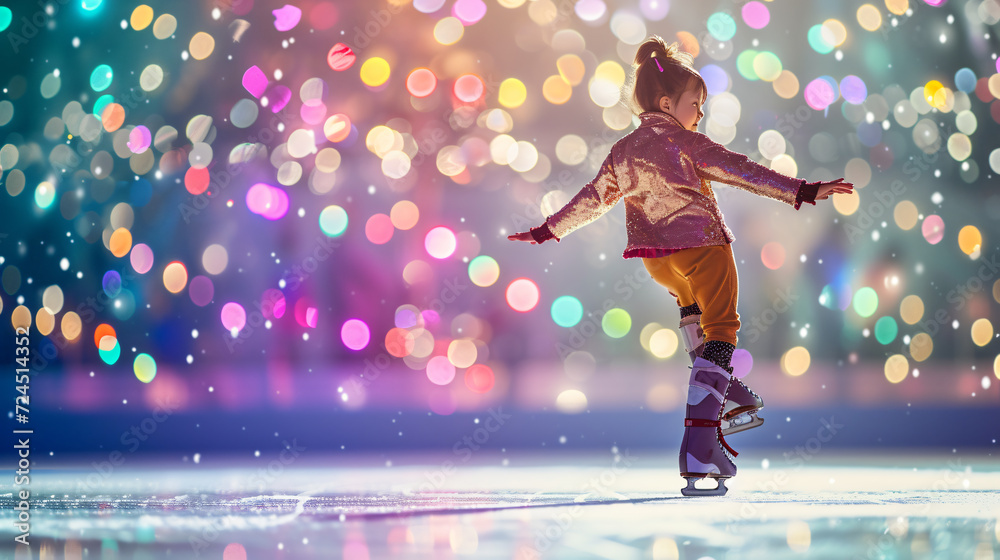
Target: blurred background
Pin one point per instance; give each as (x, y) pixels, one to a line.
(265, 219)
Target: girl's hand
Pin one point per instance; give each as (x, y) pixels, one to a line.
(523, 236)
(828, 188)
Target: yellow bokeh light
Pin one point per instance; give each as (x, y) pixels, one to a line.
(959, 146)
(610, 71)
(201, 46)
(869, 17)
(121, 242)
(795, 362)
(906, 215)
(969, 239)
(20, 318)
(175, 277)
(996, 373)
(836, 30)
(786, 85)
(448, 31)
(404, 215)
(896, 368)
(375, 71)
(847, 204)
(45, 321)
(911, 309)
(944, 100)
(71, 325)
(571, 68)
(462, 353)
(451, 161)
(993, 84)
(785, 164)
(897, 7)
(571, 401)
(556, 90)
(663, 343)
(982, 332)
(921, 347)
(665, 548)
(646, 333)
(798, 535)
(931, 88)
(512, 93)
(142, 16)
(543, 12)
(328, 160)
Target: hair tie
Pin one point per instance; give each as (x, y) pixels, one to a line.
(658, 63)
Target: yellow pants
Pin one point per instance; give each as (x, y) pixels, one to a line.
(706, 276)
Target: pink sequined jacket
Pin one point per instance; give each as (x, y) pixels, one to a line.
(662, 170)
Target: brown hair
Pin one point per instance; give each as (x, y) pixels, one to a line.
(660, 69)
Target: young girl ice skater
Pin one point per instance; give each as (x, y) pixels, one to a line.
(662, 169)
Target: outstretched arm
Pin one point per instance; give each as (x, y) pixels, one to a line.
(592, 202)
(715, 162)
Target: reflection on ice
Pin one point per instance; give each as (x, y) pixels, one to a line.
(530, 509)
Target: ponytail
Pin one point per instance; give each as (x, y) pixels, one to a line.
(660, 69)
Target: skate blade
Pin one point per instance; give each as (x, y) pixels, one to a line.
(690, 490)
(742, 423)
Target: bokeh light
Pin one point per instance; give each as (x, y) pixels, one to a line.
(522, 295)
(795, 361)
(355, 334)
(440, 242)
(144, 367)
(484, 271)
(566, 311)
(616, 323)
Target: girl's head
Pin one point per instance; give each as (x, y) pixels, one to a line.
(664, 79)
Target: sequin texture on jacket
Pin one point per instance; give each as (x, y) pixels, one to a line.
(662, 170)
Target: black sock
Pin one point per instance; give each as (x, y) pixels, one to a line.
(720, 353)
(692, 309)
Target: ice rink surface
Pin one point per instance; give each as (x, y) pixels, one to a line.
(613, 504)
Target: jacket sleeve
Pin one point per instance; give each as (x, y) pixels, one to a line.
(592, 202)
(715, 162)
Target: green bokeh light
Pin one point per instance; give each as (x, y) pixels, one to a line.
(110, 357)
(616, 322)
(819, 39)
(102, 102)
(886, 330)
(744, 64)
(5, 17)
(101, 77)
(865, 302)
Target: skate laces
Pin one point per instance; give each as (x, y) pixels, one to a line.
(722, 439)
